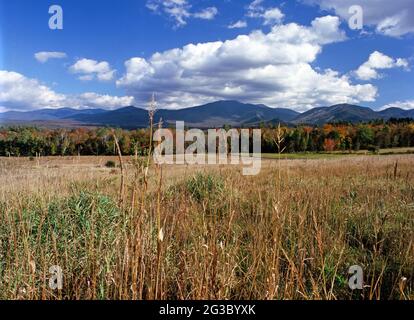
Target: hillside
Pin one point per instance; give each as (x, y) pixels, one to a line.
(340, 112)
(396, 113)
(47, 114)
(215, 114)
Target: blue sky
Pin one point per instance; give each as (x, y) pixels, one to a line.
(297, 54)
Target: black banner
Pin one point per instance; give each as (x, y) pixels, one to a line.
(159, 310)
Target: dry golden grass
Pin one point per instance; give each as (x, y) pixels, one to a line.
(207, 232)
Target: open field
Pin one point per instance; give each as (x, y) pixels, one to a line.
(338, 154)
(181, 232)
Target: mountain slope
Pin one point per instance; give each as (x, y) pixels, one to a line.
(128, 117)
(396, 113)
(232, 113)
(47, 114)
(340, 112)
(216, 114)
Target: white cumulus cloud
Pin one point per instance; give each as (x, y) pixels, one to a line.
(378, 61)
(389, 17)
(17, 92)
(91, 69)
(45, 56)
(95, 100)
(272, 68)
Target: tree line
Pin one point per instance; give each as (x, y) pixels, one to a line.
(32, 141)
(343, 137)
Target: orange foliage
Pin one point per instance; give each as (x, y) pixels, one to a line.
(329, 145)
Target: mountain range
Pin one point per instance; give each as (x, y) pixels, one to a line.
(216, 114)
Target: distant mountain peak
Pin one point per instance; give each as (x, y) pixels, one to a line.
(213, 114)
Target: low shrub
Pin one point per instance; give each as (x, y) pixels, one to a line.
(110, 164)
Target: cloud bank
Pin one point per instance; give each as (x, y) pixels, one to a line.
(274, 68)
(21, 93)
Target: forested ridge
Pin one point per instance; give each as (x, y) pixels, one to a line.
(32, 141)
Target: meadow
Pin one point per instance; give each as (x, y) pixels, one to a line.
(207, 232)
